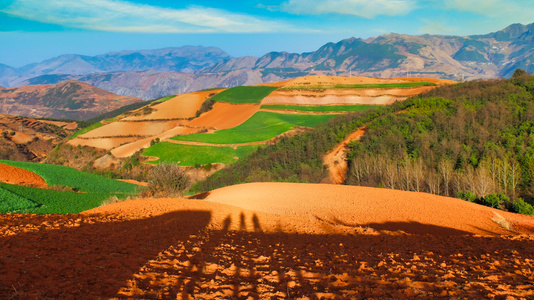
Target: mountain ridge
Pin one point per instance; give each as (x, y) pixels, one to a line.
(189, 68)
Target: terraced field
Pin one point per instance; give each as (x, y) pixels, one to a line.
(191, 155)
(229, 119)
(262, 126)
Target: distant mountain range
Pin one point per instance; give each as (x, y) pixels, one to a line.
(66, 100)
(150, 74)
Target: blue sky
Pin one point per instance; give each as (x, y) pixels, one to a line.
(34, 30)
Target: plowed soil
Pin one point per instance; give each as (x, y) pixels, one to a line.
(103, 143)
(182, 106)
(14, 175)
(225, 115)
(126, 129)
(264, 241)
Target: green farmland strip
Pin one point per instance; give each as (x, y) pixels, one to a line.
(244, 94)
(321, 108)
(69, 177)
(52, 202)
(11, 203)
(190, 155)
(260, 127)
(361, 86)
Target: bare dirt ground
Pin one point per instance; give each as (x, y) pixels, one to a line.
(14, 175)
(265, 241)
(225, 115)
(181, 106)
(336, 160)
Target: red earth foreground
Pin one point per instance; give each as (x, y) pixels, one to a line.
(269, 241)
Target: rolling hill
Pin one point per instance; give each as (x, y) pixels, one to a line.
(241, 118)
(72, 100)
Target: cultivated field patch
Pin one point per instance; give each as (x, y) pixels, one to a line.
(318, 108)
(244, 94)
(190, 155)
(260, 127)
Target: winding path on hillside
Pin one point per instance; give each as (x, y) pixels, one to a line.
(336, 160)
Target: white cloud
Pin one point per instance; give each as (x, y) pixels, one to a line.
(124, 16)
(510, 11)
(362, 8)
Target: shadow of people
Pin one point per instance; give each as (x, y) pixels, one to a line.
(92, 260)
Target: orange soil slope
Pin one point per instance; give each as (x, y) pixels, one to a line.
(353, 206)
(336, 159)
(14, 175)
(225, 115)
(182, 106)
(269, 241)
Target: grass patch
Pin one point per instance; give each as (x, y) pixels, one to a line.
(77, 180)
(50, 201)
(190, 155)
(360, 86)
(320, 108)
(260, 127)
(244, 94)
(86, 129)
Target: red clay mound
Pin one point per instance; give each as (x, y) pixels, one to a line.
(14, 175)
(292, 248)
(382, 209)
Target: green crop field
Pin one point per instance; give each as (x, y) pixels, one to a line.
(91, 190)
(190, 155)
(320, 108)
(260, 127)
(77, 180)
(43, 201)
(360, 86)
(244, 94)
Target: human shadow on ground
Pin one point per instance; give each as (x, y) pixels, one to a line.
(176, 256)
(239, 264)
(92, 260)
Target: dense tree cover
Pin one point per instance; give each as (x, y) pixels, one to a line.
(473, 140)
(293, 159)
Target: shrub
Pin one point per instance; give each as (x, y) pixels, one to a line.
(499, 201)
(468, 196)
(167, 178)
(522, 207)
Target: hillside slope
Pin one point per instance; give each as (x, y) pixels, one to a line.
(271, 240)
(67, 100)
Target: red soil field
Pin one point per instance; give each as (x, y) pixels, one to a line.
(225, 115)
(271, 240)
(14, 175)
(182, 106)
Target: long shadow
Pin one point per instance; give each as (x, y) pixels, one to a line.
(411, 227)
(260, 265)
(91, 261)
(176, 255)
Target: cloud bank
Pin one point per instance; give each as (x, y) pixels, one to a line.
(361, 8)
(124, 16)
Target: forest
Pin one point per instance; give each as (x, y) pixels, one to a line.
(472, 140)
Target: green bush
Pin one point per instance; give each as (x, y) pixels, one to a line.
(521, 207)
